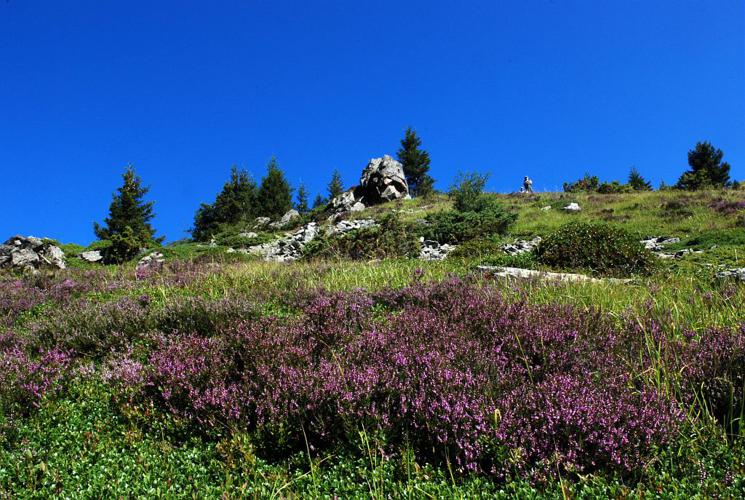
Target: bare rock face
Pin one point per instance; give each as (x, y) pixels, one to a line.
(288, 248)
(382, 180)
(29, 252)
(288, 217)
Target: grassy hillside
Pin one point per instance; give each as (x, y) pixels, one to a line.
(220, 375)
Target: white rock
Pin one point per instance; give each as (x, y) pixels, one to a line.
(572, 207)
(91, 256)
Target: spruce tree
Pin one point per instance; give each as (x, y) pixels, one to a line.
(335, 187)
(302, 199)
(234, 204)
(275, 193)
(128, 224)
(415, 162)
(707, 168)
(319, 201)
(637, 182)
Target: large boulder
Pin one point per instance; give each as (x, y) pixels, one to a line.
(382, 180)
(29, 252)
(286, 219)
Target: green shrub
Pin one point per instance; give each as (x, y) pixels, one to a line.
(598, 247)
(456, 227)
(468, 192)
(476, 249)
(124, 247)
(391, 239)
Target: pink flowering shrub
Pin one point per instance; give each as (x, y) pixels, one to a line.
(451, 369)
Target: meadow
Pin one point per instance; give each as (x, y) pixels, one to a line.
(219, 375)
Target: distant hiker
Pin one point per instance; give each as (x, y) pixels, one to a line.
(527, 185)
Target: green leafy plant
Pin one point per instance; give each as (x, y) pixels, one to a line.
(455, 226)
(598, 247)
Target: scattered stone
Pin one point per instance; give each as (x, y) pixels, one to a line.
(382, 180)
(285, 249)
(288, 217)
(249, 234)
(736, 274)
(432, 250)
(350, 225)
(519, 273)
(572, 207)
(151, 261)
(262, 222)
(29, 253)
(546, 208)
(92, 256)
(656, 243)
(521, 246)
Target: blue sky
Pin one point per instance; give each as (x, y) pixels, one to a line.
(183, 90)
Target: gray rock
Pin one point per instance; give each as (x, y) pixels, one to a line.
(92, 256)
(249, 234)
(572, 207)
(262, 222)
(546, 208)
(382, 180)
(521, 246)
(350, 225)
(288, 248)
(152, 260)
(736, 274)
(656, 243)
(54, 256)
(24, 257)
(286, 219)
(432, 250)
(519, 273)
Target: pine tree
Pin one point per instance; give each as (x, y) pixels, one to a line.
(235, 203)
(302, 199)
(415, 162)
(275, 193)
(707, 168)
(319, 201)
(637, 182)
(335, 187)
(128, 224)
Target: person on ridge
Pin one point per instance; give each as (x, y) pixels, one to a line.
(527, 185)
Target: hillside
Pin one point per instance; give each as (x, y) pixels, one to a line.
(360, 370)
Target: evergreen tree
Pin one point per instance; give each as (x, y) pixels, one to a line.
(637, 182)
(415, 162)
(235, 203)
(128, 224)
(275, 193)
(707, 168)
(335, 187)
(319, 201)
(302, 199)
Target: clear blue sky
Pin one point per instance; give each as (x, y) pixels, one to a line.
(183, 90)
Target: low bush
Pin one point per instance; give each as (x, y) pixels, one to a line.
(597, 247)
(453, 226)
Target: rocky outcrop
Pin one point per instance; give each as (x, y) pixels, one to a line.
(521, 246)
(286, 219)
(285, 249)
(656, 243)
(519, 273)
(350, 225)
(382, 180)
(432, 250)
(736, 274)
(29, 252)
(154, 260)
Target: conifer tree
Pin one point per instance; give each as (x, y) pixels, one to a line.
(335, 187)
(707, 168)
(275, 193)
(637, 182)
(128, 224)
(319, 201)
(302, 199)
(415, 163)
(235, 203)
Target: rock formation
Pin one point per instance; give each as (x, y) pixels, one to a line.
(382, 180)
(29, 252)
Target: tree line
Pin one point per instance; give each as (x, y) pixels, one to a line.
(128, 228)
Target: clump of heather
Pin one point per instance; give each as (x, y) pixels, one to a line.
(24, 378)
(451, 369)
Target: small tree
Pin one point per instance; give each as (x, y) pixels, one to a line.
(637, 182)
(415, 162)
(707, 168)
(128, 224)
(275, 193)
(319, 201)
(302, 199)
(335, 187)
(468, 192)
(235, 203)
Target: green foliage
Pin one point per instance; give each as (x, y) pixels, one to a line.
(467, 192)
(454, 226)
(335, 187)
(613, 187)
(391, 239)
(319, 202)
(302, 199)
(478, 248)
(415, 162)
(128, 224)
(707, 168)
(637, 182)
(587, 184)
(235, 203)
(275, 194)
(598, 247)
